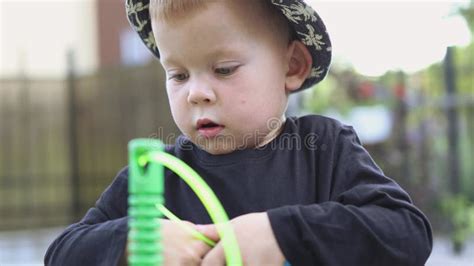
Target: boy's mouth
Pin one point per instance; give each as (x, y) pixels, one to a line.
(208, 128)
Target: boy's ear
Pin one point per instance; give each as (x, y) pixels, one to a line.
(299, 65)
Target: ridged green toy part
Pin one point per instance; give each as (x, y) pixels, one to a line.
(146, 183)
(145, 186)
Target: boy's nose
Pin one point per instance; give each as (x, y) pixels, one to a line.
(201, 94)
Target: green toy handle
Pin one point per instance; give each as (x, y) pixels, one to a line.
(147, 158)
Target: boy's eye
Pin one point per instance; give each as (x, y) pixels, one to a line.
(179, 76)
(225, 70)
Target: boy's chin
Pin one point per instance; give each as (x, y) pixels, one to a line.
(218, 149)
(218, 146)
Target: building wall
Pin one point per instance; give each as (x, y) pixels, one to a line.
(117, 41)
(111, 23)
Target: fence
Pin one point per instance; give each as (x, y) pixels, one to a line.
(63, 141)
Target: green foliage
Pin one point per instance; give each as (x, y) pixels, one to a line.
(432, 78)
(389, 79)
(464, 62)
(468, 14)
(460, 213)
(326, 96)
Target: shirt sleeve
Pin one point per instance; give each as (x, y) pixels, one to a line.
(367, 220)
(100, 237)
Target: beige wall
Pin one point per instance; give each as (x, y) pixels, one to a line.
(36, 34)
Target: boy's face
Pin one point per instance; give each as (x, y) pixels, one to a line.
(225, 75)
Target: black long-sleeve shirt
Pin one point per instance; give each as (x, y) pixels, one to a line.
(327, 201)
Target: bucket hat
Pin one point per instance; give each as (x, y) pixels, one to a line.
(303, 19)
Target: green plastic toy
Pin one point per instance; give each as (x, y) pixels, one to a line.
(147, 160)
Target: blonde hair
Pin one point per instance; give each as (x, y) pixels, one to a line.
(167, 10)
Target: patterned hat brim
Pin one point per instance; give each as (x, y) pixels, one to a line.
(307, 24)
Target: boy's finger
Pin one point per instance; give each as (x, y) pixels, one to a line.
(215, 257)
(201, 248)
(209, 230)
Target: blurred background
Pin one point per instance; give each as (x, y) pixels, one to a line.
(76, 84)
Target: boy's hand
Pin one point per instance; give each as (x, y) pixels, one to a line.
(254, 234)
(179, 246)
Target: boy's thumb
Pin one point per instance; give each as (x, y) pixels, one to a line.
(208, 230)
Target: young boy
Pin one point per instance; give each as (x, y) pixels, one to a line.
(301, 190)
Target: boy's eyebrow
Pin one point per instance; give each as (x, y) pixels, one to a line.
(224, 51)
